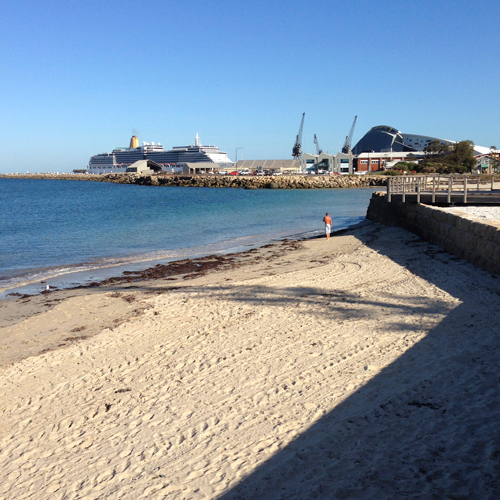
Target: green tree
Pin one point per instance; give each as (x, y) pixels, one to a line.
(436, 148)
(448, 159)
(401, 165)
(462, 155)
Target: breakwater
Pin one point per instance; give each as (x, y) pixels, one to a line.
(475, 241)
(248, 182)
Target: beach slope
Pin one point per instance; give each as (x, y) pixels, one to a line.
(363, 367)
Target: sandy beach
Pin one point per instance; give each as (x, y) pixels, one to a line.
(365, 367)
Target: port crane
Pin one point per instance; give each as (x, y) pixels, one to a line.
(318, 151)
(297, 147)
(346, 148)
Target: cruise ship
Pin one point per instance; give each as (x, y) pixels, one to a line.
(170, 160)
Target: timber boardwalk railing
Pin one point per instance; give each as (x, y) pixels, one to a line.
(444, 189)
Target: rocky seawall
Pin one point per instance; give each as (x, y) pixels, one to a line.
(250, 182)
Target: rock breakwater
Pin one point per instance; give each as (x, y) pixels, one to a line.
(250, 182)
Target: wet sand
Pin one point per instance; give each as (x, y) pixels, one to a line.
(363, 367)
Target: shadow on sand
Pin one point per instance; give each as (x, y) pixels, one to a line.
(428, 425)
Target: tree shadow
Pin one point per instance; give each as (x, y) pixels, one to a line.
(427, 426)
(337, 305)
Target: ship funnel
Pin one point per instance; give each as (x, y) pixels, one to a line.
(134, 142)
(197, 140)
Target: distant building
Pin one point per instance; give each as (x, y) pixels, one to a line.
(383, 146)
(365, 163)
(247, 165)
(386, 139)
(271, 165)
(340, 163)
(144, 167)
(383, 138)
(198, 168)
(488, 163)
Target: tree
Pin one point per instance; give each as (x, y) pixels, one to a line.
(447, 158)
(463, 154)
(436, 148)
(401, 165)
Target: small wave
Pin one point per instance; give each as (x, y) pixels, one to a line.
(35, 280)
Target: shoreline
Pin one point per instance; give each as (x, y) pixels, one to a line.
(155, 268)
(176, 271)
(71, 275)
(299, 364)
(84, 273)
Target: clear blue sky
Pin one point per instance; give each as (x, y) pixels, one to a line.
(80, 77)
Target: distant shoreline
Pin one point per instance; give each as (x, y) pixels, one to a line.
(247, 182)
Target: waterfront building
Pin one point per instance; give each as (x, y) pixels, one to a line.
(269, 165)
(383, 138)
(386, 139)
(340, 163)
(199, 168)
(365, 163)
(144, 167)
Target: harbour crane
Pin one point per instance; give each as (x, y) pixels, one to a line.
(318, 151)
(346, 149)
(297, 147)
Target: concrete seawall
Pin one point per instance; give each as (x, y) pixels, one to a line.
(474, 241)
(251, 182)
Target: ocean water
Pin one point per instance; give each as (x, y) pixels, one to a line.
(51, 228)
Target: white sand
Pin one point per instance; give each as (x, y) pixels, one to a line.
(366, 367)
(476, 213)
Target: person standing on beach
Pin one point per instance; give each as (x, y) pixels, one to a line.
(328, 225)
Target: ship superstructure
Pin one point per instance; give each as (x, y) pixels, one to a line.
(121, 158)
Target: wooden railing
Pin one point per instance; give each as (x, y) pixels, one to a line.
(437, 185)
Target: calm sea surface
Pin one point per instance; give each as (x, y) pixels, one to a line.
(52, 228)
